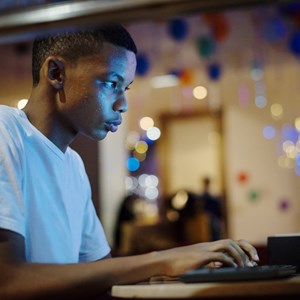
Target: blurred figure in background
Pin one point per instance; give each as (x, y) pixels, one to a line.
(211, 204)
(126, 214)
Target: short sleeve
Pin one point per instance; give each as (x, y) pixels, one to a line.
(11, 201)
(94, 245)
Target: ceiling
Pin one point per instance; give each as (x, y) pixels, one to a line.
(23, 22)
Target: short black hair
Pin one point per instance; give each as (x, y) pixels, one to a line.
(72, 45)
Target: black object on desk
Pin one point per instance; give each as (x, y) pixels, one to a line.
(238, 274)
(284, 249)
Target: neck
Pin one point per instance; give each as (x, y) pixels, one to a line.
(42, 113)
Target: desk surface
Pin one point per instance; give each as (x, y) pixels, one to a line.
(177, 290)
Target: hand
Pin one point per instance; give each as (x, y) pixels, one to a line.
(223, 252)
(244, 254)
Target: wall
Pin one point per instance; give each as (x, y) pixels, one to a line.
(112, 178)
(255, 206)
(262, 194)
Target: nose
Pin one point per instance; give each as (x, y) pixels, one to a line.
(121, 103)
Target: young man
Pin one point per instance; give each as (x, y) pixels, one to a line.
(51, 242)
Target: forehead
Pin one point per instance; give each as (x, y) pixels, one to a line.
(111, 59)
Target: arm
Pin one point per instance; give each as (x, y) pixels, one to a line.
(21, 280)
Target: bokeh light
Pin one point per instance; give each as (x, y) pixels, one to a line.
(276, 111)
(260, 101)
(146, 123)
(200, 92)
(297, 170)
(153, 133)
(131, 183)
(151, 193)
(286, 162)
(151, 181)
(133, 164)
(131, 140)
(142, 180)
(289, 133)
(179, 200)
(145, 185)
(141, 147)
(140, 156)
(257, 74)
(297, 124)
(22, 103)
(288, 146)
(269, 132)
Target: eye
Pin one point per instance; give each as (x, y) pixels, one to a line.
(110, 84)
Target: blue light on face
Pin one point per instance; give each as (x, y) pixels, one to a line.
(269, 132)
(132, 164)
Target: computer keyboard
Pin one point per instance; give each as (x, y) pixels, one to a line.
(238, 274)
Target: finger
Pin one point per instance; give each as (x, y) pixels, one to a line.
(210, 258)
(214, 265)
(231, 248)
(249, 249)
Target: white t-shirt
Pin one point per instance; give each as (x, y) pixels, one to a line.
(45, 195)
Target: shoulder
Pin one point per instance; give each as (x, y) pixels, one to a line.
(6, 111)
(12, 134)
(10, 115)
(11, 119)
(14, 124)
(75, 158)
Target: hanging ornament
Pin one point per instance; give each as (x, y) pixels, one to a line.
(178, 29)
(143, 64)
(253, 195)
(294, 43)
(284, 204)
(274, 29)
(206, 46)
(186, 77)
(242, 177)
(219, 26)
(214, 71)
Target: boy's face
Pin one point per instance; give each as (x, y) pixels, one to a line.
(94, 91)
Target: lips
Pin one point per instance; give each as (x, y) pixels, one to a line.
(113, 125)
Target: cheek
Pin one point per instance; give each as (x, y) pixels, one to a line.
(75, 93)
(103, 102)
(96, 108)
(80, 96)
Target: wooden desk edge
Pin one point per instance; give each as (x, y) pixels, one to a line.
(288, 286)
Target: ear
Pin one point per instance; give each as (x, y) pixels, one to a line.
(56, 72)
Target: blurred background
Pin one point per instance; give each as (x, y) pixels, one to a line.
(210, 146)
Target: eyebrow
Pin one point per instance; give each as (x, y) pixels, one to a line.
(120, 78)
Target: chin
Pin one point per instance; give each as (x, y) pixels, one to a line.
(96, 136)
